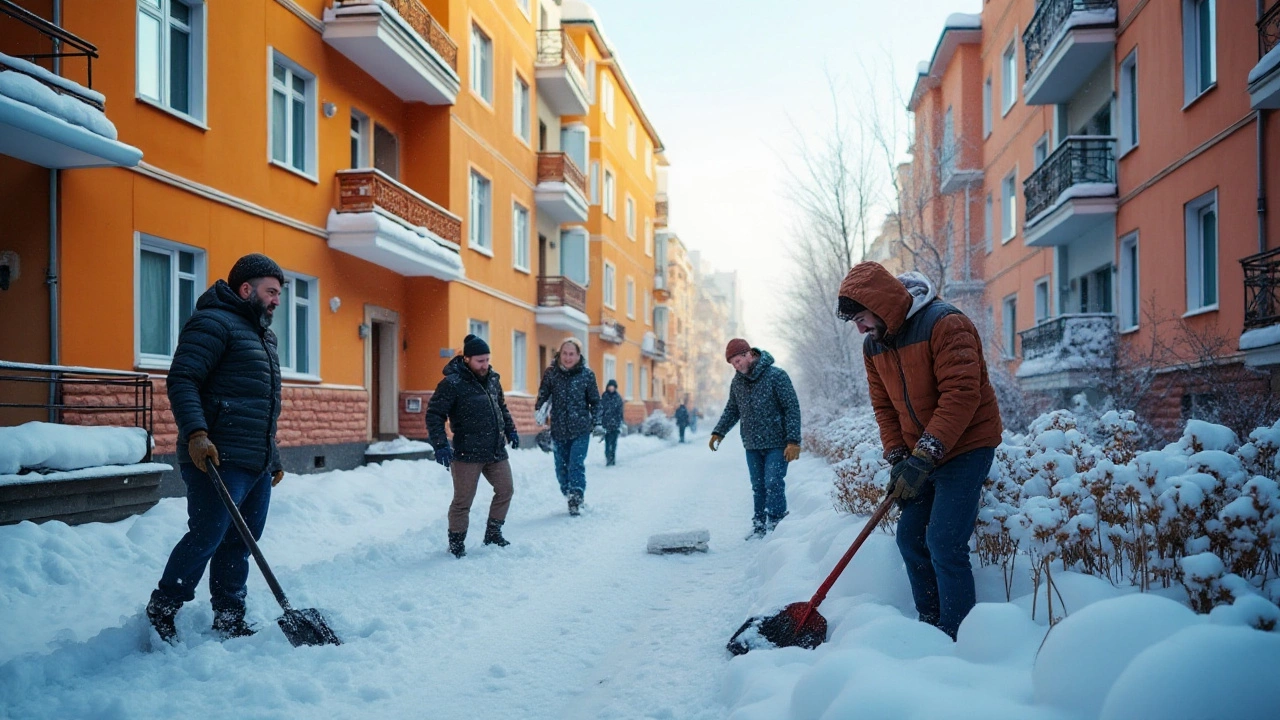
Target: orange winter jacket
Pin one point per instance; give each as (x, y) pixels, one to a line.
(927, 375)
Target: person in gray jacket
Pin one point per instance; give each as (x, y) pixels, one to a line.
(763, 398)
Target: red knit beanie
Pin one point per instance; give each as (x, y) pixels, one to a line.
(736, 346)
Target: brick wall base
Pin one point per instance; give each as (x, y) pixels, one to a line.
(413, 425)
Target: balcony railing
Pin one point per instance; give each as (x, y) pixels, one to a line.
(76, 396)
(556, 291)
(1069, 342)
(363, 190)
(612, 331)
(660, 210)
(660, 346)
(1048, 23)
(1081, 160)
(415, 14)
(556, 48)
(559, 167)
(1262, 289)
(1269, 30)
(63, 45)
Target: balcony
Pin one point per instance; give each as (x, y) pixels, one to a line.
(1071, 192)
(46, 119)
(660, 213)
(1066, 351)
(1264, 79)
(1260, 341)
(561, 192)
(562, 304)
(561, 73)
(399, 44)
(954, 178)
(1066, 41)
(612, 331)
(382, 221)
(653, 347)
(661, 290)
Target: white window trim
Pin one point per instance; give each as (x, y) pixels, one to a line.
(1009, 212)
(631, 137)
(629, 205)
(1047, 142)
(648, 237)
(1009, 99)
(522, 130)
(610, 193)
(366, 138)
(1048, 299)
(609, 286)
(630, 381)
(199, 62)
(607, 97)
(606, 361)
(313, 317)
(989, 219)
(648, 311)
(312, 92)
(644, 383)
(142, 241)
(485, 249)
(1128, 96)
(1194, 244)
(595, 182)
(988, 90)
(479, 328)
(1008, 329)
(516, 208)
(1191, 54)
(519, 367)
(486, 78)
(1128, 294)
(524, 7)
(631, 298)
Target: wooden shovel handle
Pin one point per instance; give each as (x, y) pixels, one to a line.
(876, 517)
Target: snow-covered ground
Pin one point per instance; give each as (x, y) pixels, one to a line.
(576, 620)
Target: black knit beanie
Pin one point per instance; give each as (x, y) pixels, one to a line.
(473, 346)
(847, 307)
(251, 267)
(611, 384)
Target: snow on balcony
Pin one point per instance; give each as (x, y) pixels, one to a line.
(400, 44)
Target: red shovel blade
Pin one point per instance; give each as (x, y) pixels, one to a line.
(797, 625)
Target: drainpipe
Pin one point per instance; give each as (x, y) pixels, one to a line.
(51, 274)
(968, 273)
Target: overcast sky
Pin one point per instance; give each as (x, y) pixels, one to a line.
(729, 85)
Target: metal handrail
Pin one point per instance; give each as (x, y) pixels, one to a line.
(58, 36)
(1047, 23)
(1269, 30)
(1261, 289)
(1078, 160)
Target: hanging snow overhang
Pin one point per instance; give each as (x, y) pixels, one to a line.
(388, 241)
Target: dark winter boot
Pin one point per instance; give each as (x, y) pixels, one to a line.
(758, 530)
(456, 544)
(772, 523)
(230, 624)
(161, 613)
(575, 502)
(493, 534)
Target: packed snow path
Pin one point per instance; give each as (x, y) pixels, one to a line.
(573, 620)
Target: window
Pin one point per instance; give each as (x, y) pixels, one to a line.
(1043, 309)
(520, 109)
(610, 368)
(631, 298)
(171, 38)
(606, 96)
(575, 256)
(648, 237)
(520, 237)
(296, 325)
(481, 64)
(1009, 207)
(630, 380)
(610, 286)
(481, 231)
(1202, 252)
(1129, 102)
(987, 99)
(1009, 77)
(479, 328)
(169, 277)
(524, 6)
(1095, 291)
(519, 361)
(359, 139)
(1129, 290)
(610, 197)
(644, 383)
(631, 218)
(1199, 47)
(386, 151)
(1010, 335)
(631, 137)
(595, 182)
(1041, 151)
(648, 312)
(989, 221)
(293, 115)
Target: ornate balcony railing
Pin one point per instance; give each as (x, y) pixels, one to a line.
(1079, 160)
(415, 14)
(63, 45)
(1269, 30)
(363, 190)
(556, 291)
(1261, 289)
(1068, 342)
(1050, 18)
(556, 48)
(559, 167)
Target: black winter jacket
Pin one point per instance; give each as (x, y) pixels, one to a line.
(477, 413)
(611, 410)
(225, 379)
(682, 416)
(575, 400)
(766, 403)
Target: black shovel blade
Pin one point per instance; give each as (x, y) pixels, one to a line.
(307, 627)
(796, 625)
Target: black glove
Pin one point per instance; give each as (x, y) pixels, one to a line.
(513, 438)
(907, 477)
(444, 456)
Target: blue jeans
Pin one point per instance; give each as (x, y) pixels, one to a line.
(933, 536)
(212, 540)
(571, 470)
(611, 447)
(768, 469)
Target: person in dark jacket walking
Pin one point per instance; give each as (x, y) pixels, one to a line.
(571, 388)
(611, 419)
(224, 389)
(761, 395)
(939, 422)
(470, 397)
(682, 419)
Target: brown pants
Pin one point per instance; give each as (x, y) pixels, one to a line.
(466, 477)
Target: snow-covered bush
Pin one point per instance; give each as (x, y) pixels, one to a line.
(659, 425)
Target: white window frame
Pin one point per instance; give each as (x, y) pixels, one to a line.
(522, 107)
(524, 6)
(606, 96)
(648, 310)
(310, 126)
(1130, 283)
(610, 195)
(480, 214)
(519, 361)
(630, 380)
(1197, 301)
(987, 99)
(197, 62)
(479, 328)
(1195, 82)
(363, 136)
(648, 237)
(481, 69)
(989, 221)
(610, 367)
(288, 306)
(1129, 117)
(154, 244)
(644, 383)
(631, 217)
(595, 182)
(631, 298)
(631, 137)
(520, 236)
(1009, 78)
(1009, 207)
(1044, 300)
(1009, 323)
(609, 290)
(1041, 152)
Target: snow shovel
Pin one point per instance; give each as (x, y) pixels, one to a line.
(302, 627)
(800, 624)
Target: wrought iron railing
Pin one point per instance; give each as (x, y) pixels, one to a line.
(58, 39)
(556, 291)
(559, 167)
(416, 16)
(555, 47)
(1079, 160)
(1070, 342)
(1262, 289)
(1051, 17)
(363, 190)
(1269, 30)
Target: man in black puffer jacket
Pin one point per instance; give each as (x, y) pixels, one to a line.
(224, 388)
(611, 412)
(470, 397)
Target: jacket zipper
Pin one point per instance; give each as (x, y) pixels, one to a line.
(905, 395)
(272, 414)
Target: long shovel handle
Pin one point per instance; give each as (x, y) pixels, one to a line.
(247, 536)
(876, 517)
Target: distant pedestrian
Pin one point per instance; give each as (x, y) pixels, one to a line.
(611, 419)
(762, 396)
(682, 419)
(470, 397)
(571, 388)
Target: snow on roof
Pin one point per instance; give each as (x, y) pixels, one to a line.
(922, 67)
(1269, 62)
(1260, 337)
(964, 21)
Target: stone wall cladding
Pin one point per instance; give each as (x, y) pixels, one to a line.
(414, 425)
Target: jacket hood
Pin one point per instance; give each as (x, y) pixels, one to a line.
(892, 299)
(458, 366)
(921, 290)
(763, 363)
(220, 296)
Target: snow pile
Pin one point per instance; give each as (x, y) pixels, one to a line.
(659, 425)
(1258, 338)
(400, 446)
(50, 446)
(838, 438)
(964, 21)
(412, 238)
(19, 84)
(1087, 343)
